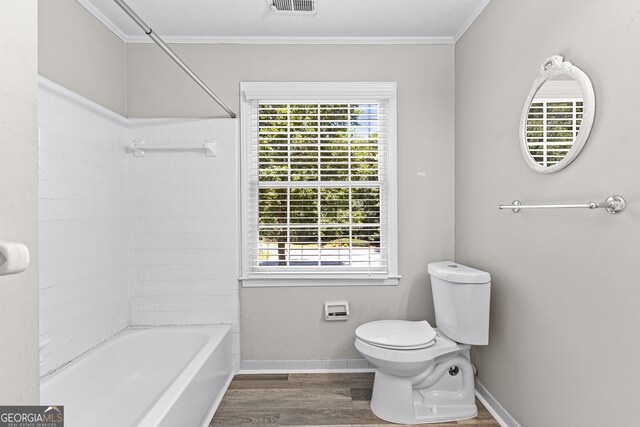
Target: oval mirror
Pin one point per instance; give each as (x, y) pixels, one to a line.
(557, 116)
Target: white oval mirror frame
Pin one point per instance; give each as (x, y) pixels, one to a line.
(552, 67)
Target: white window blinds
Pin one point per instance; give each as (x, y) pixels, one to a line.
(317, 196)
(552, 127)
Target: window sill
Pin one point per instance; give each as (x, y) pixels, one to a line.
(275, 281)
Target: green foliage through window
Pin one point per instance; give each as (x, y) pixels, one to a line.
(320, 183)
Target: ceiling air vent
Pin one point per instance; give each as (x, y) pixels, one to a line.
(301, 7)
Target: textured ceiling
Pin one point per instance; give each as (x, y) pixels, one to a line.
(419, 21)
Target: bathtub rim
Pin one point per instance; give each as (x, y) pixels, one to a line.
(118, 334)
(206, 350)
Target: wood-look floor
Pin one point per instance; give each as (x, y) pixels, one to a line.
(309, 400)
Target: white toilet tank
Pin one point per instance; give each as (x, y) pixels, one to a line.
(461, 298)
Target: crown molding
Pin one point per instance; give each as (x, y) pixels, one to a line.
(297, 40)
(470, 20)
(106, 21)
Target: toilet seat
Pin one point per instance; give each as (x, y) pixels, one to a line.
(397, 334)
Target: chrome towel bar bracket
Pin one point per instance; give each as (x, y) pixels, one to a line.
(613, 204)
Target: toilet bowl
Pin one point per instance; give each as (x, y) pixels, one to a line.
(424, 375)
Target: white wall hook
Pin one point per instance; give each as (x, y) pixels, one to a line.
(14, 257)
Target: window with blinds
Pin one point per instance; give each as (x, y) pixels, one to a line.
(317, 193)
(552, 127)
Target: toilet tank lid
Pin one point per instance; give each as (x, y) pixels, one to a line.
(458, 273)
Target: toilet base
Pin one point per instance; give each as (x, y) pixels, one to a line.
(436, 397)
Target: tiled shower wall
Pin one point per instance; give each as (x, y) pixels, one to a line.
(183, 225)
(83, 257)
(131, 240)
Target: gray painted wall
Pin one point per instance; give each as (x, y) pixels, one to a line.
(563, 303)
(276, 323)
(78, 52)
(565, 316)
(19, 200)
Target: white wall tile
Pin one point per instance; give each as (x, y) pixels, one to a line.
(132, 240)
(183, 249)
(77, 268)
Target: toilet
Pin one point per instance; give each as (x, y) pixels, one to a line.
(424, 374)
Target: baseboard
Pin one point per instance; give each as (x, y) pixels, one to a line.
(306, 366)
(305, 371)
(494, 407)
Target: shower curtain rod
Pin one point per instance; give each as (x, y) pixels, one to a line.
(153, 36)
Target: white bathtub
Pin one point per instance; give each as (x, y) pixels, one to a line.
(161, 376)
